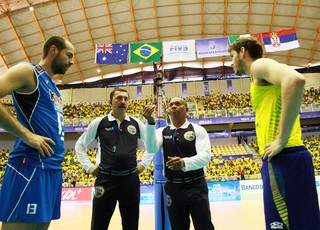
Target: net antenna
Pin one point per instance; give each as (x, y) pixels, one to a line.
(157, 88)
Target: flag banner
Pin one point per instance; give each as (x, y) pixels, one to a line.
(145, 52)
(257, 36)
(280, 40)
(184, 89)
(206, 88)
(229, 85)
(139, 92)
(212, 47)
(178, 51)
(111, 53)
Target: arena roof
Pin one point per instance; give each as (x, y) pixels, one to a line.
(88, 22)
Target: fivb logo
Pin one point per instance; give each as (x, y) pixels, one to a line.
(179, 49)
(32, 209)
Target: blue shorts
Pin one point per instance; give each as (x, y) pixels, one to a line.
(289, 191)
(30, 194)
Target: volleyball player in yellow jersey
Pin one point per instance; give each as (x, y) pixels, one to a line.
(289, 189)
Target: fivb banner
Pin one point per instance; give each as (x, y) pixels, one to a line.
(178, 51)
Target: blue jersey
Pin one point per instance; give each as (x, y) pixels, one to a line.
(41, 112)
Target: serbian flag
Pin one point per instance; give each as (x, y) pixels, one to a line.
(280, 40)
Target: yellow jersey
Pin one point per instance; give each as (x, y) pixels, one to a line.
(266, 102)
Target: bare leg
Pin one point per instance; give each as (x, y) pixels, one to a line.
(24, 226)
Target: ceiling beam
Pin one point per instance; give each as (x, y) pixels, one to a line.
(272, 15)
(135, 31)
(225, 27)
(90, 33)
(4, 62)
(272, 19)
(110, 21)
(5, 6)
(17, 36)
(133, 22)
(67, 35)
(202, 19)
(156, 18)
(180, 29)
(225, 18)
(295, 26)
(113, 33)
(179, 20)
(249, 17)
(39, 26)
(314, 44)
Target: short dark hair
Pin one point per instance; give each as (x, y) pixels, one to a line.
(117, 90)
(249, 43)
(57, 41)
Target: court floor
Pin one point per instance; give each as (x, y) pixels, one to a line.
(240, 215)
(226, 215)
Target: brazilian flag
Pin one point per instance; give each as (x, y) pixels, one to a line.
(145, 52)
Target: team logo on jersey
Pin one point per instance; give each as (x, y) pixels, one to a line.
(169, 200)
(132, 130)
(167, 137)
(98, 191)
(276, 225)
(54, 98)
(189, 136)
(38, 68)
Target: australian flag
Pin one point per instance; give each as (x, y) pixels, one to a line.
(111, 53)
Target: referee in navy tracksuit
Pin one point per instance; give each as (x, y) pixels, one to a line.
(116, 166)
(186, 151)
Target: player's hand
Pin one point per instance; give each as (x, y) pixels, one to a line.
(94, 170)
(147, 112)
(42, 144)
(272, 149)
(140, 168)
(175, 163)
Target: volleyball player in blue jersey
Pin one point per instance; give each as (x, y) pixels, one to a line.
(30, 196)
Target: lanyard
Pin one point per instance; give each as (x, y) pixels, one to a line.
(174, 141)
(116, 138)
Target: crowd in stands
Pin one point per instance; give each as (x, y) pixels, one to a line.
(222, 167)
(313, 144)
(215, 104)
(311, 95)
(3, 161)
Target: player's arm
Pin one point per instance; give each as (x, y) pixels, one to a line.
(81, 147)
(291, 83)
(21, 78)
